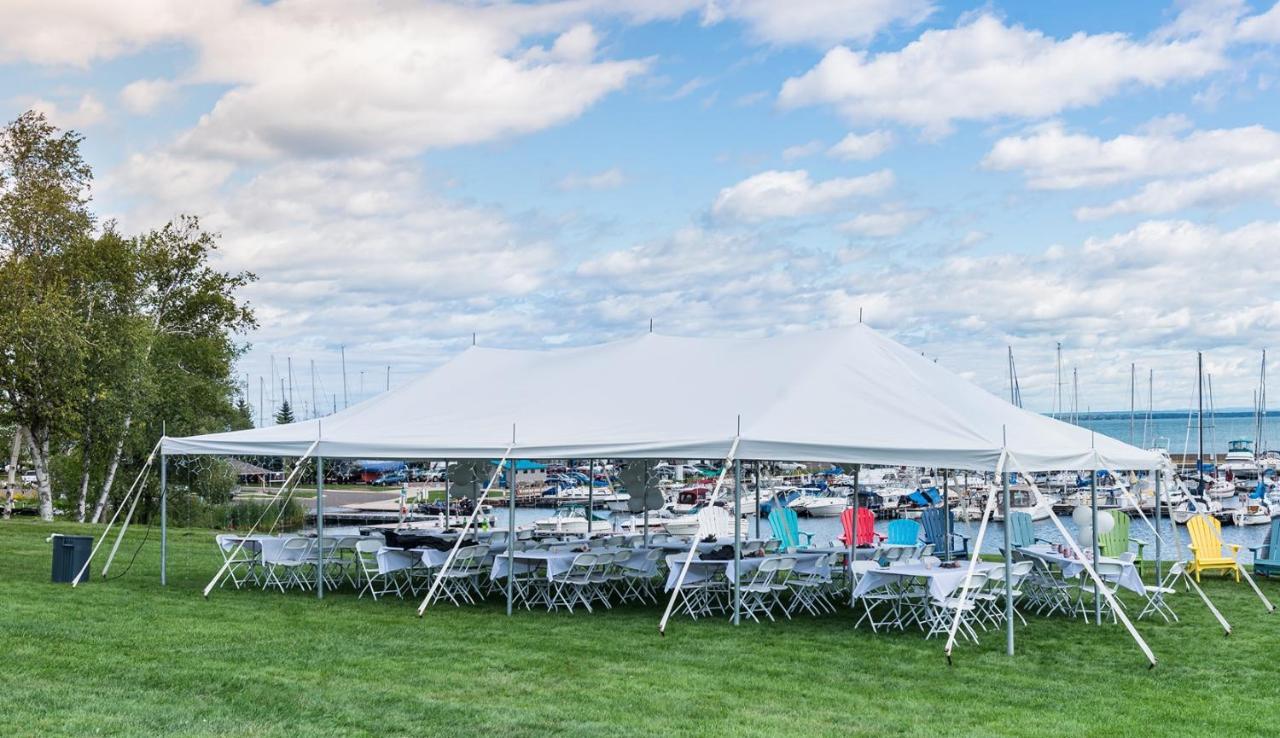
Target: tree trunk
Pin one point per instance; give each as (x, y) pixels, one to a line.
(39, 450)
(86, 446)
(111, 470)
(13, 473)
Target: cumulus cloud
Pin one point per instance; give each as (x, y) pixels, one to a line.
(608, 179)
(986, 70)
(86, 112)
(883, 224)
(789, 194)
(1263, 27)
(862, 146)
(818, 22)
(145, 95)
(1200, 168)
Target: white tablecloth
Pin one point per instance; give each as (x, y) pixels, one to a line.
(941, 582)
(703, 569)
(1130, 579)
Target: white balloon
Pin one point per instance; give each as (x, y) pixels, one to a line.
(1082, 515)
(1084, 536)
(1105, 523)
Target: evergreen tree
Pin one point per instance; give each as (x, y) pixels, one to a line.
(285, 414)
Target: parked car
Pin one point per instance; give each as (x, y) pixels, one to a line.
(29, 477)
(390, 479)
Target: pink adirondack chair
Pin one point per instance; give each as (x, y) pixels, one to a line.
(867, 534)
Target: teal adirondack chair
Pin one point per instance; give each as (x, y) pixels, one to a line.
(786, 529)
(1266, 558)
(904, 533)
(1020, 530)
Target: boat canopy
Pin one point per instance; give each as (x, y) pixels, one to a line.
(850, 395)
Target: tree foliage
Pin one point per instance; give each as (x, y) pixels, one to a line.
(109, 340)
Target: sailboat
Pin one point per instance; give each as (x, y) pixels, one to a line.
(1254, 509)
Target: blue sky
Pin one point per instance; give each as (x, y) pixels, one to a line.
(402, 174)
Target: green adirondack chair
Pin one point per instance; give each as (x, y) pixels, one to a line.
(1117, 541)
(1266, 558)
(786, 529)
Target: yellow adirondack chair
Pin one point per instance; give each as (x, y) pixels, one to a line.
(1208, 550)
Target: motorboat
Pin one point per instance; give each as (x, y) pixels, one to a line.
(567, 519)
(1240, 465)
(1193, 506)
(1025, 499)
(828, 503)
(1253, 511)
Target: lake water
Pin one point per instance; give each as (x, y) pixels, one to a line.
(1171, 430)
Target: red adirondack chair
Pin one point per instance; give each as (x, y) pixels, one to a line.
(867, 534)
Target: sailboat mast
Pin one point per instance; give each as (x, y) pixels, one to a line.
(1133, 378)
(1057, 388)
(1200, 419)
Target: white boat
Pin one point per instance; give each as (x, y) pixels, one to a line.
(1192, 507)
(571, 519)
(821, 504)
(1240, 465)
(1252, 512)
(1027, 500)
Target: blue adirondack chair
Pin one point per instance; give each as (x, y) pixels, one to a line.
(786, 529)
(936, 521)
(1266, 558)
(904, 533)
(1020, 531)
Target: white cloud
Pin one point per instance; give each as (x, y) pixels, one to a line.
(1053, 158)
(77, 32)
(88, 111)
(145, 95)
(802, 151)
(985, 70)
(1262, 27)
(862, 146)
(609, 179)
(818, 22)
(1202, 168)
(1222, 188)
(883, 224)
(787, 194)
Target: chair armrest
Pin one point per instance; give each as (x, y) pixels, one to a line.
(1235, 549)
(1044, 540)
(808, 536)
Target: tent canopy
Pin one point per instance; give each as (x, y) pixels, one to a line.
(848, 394)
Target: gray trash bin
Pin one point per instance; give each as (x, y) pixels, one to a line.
(69, 555)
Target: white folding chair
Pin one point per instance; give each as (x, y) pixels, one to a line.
(376, 571)
(959, 605)
(575, 584)
(241, 561)
(1157, 593)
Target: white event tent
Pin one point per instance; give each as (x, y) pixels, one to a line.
(846, 394)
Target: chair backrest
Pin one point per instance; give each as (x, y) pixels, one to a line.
(1019, 571)
(1020, 530)
(1206, 535)
(1271, 544)
(936, 522)
(368, 545)
(296, 549)
(866, 526)
(784, 534)
(752, 547)
(1115, 541)
(904, 533)
(1109, 569)
(715, 521)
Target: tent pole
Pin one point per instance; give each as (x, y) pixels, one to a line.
(693, 545)
(1008, 566)
(591, 491)
(320, 527)
(853, 533)
(475, 512)
(446, 495)
(757, 499)
(737, 539)
(1159, 472)
(164, 520)
(946, 517)
(511, 533)
(1093, 506)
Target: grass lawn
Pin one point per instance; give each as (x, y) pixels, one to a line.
(128, 657)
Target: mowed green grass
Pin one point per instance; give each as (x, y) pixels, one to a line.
(128, 657)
